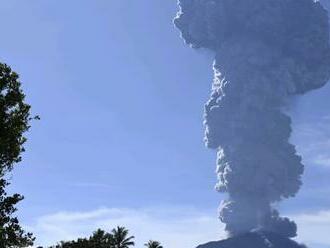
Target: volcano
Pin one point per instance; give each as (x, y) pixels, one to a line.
(254, 240)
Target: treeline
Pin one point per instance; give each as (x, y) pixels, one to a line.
(117, 238)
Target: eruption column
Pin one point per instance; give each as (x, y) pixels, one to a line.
(266, 51)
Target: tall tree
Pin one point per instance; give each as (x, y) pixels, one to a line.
(121, 238)
(153, 244)
(14, 122)
(99, 239)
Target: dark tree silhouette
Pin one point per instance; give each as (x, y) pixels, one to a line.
(121, 238)
(14, 122)
(153, 244)
(99, 239)
(118, 238)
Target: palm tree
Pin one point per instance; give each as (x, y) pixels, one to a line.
(120, 238)
(100, 239)
(153, 244)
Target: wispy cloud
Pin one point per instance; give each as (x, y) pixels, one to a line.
(92, 185)
(174, 227)
(314, 228)
(313, 140)
(323, 159)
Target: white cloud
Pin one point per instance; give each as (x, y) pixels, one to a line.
(323, 160)
(174, 227)
(314, 228)
(179, 227)
(313, 141)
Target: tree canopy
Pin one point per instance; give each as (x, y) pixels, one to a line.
(14, 122)
(153, 244)
(118, 238)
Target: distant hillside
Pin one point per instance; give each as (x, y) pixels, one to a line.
(254, 240)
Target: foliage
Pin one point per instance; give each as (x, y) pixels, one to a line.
(14, 119)
(121, 239)
(153, 244)
(11, 233)
(14, 122)
(118, 238)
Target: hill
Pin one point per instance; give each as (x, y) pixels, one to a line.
(254, 240)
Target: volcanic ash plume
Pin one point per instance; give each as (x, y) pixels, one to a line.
(266, 51)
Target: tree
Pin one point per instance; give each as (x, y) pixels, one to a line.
(99, 239)
(121, 239)
(14, 122)
(153, 244)
(118, 238)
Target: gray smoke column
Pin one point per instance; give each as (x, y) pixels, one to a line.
(266, 51)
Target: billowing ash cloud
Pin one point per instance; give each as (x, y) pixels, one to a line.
(266, 51)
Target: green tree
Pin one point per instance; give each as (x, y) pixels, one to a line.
(14, 122)
(121, 239)
(118, 238)
(99, 239)
(153, 244)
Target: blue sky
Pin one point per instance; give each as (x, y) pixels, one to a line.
(120, 138)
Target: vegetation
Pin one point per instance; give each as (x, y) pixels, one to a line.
(99, 239)
(153, 244)
(14, 122)
(118, 238)
(121, 239)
